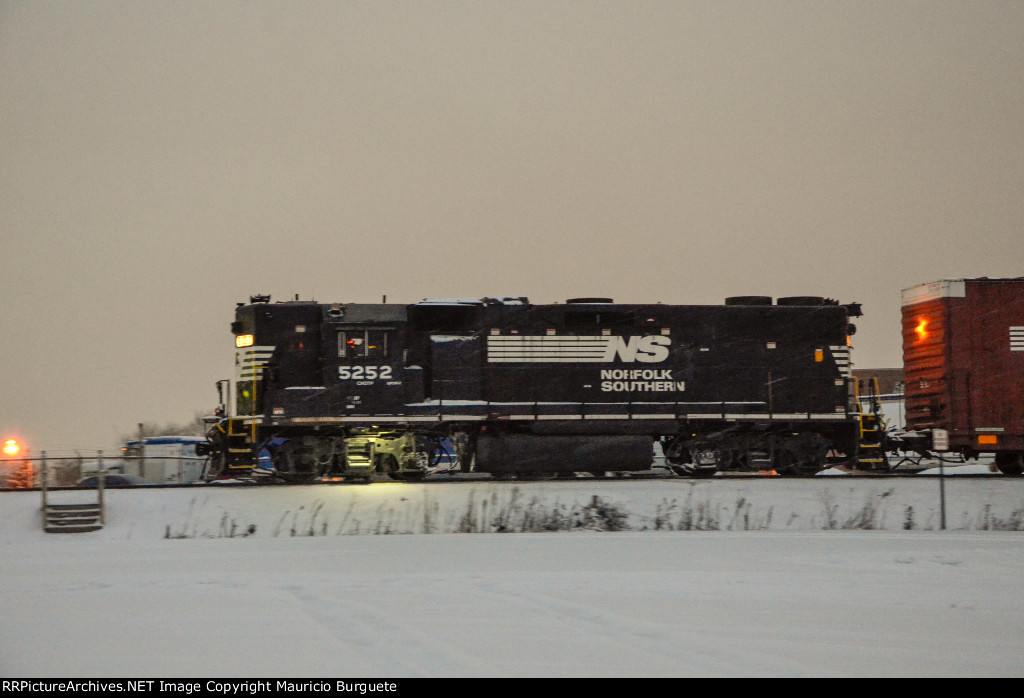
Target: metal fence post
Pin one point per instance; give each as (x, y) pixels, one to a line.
(940, 444)
(942, 491)
(99, 483)
(42, 484)
(142, 452)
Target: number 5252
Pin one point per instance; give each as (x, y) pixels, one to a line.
(364, 373)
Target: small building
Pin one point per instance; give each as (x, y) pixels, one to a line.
(890, 394)
(890, 380)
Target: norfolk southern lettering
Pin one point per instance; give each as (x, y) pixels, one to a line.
(639, 380)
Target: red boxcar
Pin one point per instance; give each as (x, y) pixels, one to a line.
(963, 365)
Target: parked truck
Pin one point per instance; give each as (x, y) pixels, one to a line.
(164, 460)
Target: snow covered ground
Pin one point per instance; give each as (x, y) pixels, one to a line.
(784, 578)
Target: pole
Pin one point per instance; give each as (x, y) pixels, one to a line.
(142, 453)
(99, 483)
(942, 491)
(940, 444)
(42, 484)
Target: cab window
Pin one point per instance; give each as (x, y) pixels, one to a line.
(363, 344)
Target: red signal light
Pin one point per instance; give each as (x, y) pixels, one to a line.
(11, 448)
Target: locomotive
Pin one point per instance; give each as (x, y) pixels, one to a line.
(524, 390)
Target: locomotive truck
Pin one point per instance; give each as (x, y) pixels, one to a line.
(525, 390)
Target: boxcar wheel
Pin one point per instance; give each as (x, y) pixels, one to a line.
(1010, 464)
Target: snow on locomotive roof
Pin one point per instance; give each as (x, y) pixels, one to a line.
(502, 300)
(450, 301)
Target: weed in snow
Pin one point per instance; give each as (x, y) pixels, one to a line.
(510, 511)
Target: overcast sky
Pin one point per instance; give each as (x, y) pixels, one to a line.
(161, 161)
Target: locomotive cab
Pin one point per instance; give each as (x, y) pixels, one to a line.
(363, 361)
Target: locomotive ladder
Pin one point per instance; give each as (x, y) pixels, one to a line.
(870, 451)
(235, 437)
(241, 437)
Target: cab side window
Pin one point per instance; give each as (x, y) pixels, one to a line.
(363, 344)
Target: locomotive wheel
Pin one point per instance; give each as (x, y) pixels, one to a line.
(787, 462)
(295, 478)
(703, 463)
(390, 466)
(410, 476)
(293, 464)
(692, 462)
(784, 462)
(691, 470)
(806, 469)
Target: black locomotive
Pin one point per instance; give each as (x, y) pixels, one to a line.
(524, 390)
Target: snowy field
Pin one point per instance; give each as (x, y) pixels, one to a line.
(745, 577)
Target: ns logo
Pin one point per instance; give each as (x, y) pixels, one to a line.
(576, 349)
(648, 350)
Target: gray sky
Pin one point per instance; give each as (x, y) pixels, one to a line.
(161, 161)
